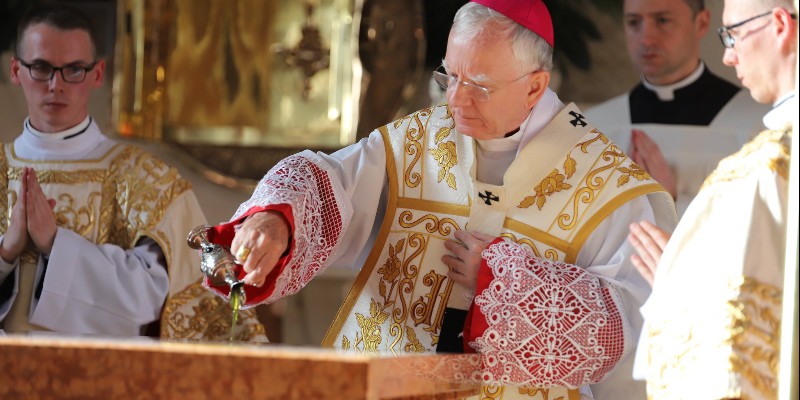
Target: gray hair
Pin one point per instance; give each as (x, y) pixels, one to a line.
(529, 48)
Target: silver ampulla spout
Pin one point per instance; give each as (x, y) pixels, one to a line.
(217, 262)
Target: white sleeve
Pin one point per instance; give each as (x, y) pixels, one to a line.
(361, 171)
(101, 289)
(607, 253)
(336, 206)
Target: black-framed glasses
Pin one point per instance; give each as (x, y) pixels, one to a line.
(44, 72)
(726, 36)
(477, 92)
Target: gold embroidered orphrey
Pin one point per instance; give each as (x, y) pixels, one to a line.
(119, 198)
(558, 197)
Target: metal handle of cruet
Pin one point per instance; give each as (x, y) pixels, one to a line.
(217, 263)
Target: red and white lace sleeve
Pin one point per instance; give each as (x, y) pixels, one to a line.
(543, 323)
(302, 188)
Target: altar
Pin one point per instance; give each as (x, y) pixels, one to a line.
(49, 367)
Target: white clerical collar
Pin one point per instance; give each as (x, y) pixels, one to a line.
(505, 143)
(69, 144)
(667, 92)
(65, 134)
(782, 112)
(541, 114)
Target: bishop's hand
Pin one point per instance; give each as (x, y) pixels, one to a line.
(466, 258)
(259, 243)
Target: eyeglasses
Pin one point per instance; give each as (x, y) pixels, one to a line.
(727, 38)
(44, 72)
(477, 92)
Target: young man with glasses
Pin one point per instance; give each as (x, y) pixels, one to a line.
(494, 223)
(681, 119)
(712, 324)
(93, 231)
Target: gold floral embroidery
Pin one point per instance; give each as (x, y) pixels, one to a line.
(553, 183)
(755, 334)
(413, 345)
(545, 393)
(398, 277)
(345, 343)
(774, 150)
(391, 268)
(80, 220)
(370, 335)
(196, 313)
(634, 171)
(67, 177)
(445, 155)
(136, 196)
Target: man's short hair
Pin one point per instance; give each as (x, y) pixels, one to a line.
(696, 5)
(61, 17)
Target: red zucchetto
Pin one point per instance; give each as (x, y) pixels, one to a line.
(531, 14)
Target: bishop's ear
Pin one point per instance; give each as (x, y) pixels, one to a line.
(538, 84)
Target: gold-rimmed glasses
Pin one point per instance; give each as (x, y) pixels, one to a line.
(477, 92)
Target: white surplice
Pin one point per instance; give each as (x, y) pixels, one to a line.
(692, 151)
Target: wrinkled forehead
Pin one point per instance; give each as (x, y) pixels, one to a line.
(482, 59)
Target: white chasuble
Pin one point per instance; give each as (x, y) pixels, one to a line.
(564, 183)
(116, 195)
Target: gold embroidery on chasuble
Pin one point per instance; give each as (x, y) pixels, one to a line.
(119, 198)
(745, 335)
(774, 144)
(398, 300)
(499, 392)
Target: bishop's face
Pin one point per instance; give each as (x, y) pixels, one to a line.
(488, 61)
(55, 105)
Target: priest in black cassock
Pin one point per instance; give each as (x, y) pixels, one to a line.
(681, 119)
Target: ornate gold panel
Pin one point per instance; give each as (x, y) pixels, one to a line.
(238, 85)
